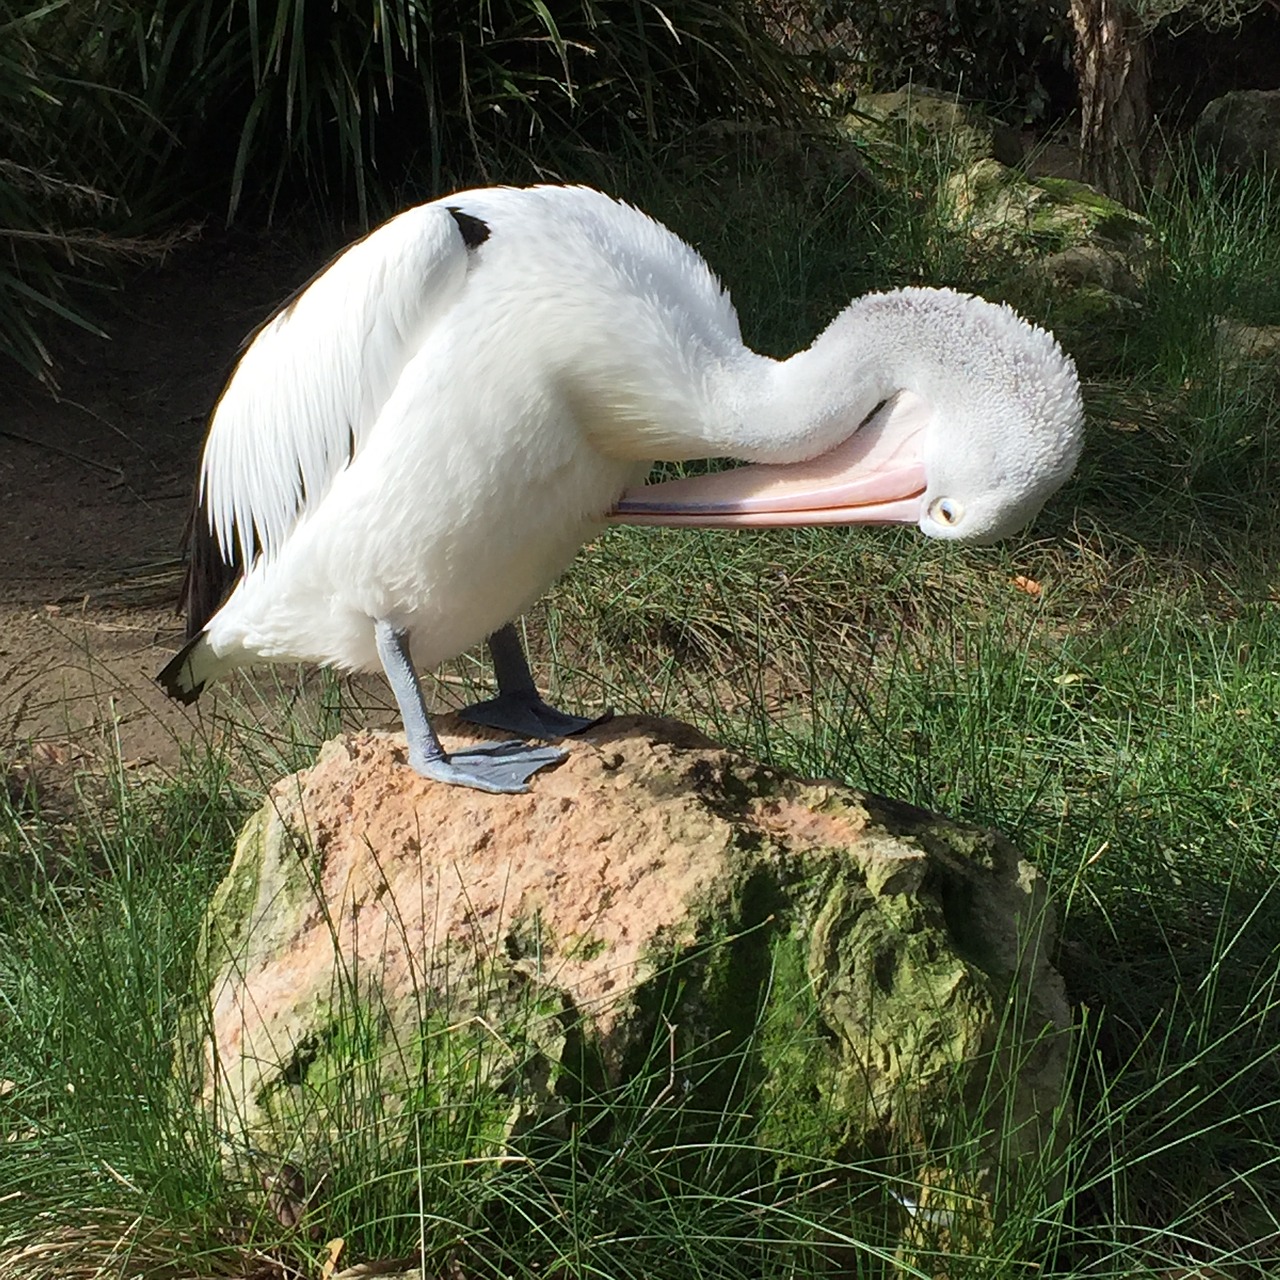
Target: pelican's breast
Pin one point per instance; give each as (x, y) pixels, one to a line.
(472, 493)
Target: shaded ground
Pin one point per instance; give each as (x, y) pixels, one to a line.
(94, 492)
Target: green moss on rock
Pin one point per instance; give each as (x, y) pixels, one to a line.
(1004, 211)
(729, 954)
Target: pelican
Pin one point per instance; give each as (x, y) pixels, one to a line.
(414, 447)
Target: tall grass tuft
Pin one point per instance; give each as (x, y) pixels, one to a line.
(33, 268)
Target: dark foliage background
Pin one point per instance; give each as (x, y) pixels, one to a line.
(1011, 53)
(128, 117)
(125, 123)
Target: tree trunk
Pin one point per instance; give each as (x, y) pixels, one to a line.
(1113, 74)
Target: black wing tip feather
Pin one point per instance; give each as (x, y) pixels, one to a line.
(208, 581)
(475, 231)
(170, 676)
(210, 575)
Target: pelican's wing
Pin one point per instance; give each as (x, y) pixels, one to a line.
(310, 386)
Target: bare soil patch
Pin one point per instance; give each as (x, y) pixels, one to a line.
(95, 487)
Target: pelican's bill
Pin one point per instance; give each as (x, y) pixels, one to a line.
(876, 476)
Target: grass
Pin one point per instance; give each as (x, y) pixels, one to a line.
(1105, 692)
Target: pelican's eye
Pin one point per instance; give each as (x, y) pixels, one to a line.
(946, 511)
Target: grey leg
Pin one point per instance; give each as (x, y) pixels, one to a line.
(518, 706)
(503, 767)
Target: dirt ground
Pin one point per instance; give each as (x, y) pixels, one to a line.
(95, 487)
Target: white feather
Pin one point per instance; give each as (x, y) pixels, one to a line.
(313, 381)
(429, 432)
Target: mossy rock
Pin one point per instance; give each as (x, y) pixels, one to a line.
(1017, 217)
(914, 121)
(660, 927)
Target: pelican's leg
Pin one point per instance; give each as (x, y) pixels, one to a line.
(518, 706)
(503, 767)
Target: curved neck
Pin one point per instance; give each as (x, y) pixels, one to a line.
(792, 410)
(735, 403)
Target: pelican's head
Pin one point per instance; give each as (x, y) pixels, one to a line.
(981, 423)
(1005, 421)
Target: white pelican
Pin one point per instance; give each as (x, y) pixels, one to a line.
(413, 448)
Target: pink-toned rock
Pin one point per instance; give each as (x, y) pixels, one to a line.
(843, 972)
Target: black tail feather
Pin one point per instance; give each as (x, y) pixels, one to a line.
(210, 576)
(170, 678)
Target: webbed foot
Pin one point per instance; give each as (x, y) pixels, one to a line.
(503, 768)
(530, 717)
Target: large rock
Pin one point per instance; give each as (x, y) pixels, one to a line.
(918, 121)
(1241, 130)
(849, 974)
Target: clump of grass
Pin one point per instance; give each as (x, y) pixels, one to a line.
(1185, 453)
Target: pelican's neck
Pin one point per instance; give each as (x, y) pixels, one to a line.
(701, 400)
(791, 410)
